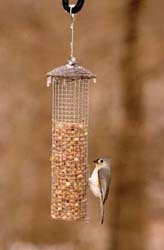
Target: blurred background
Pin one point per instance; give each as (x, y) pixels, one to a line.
(122, 42)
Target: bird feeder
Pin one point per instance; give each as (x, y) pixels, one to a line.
(69, 160)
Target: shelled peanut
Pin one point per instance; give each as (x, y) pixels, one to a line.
(69, 157)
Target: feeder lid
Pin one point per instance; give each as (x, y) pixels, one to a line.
(71, 71)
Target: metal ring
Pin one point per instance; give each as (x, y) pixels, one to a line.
(75, 9)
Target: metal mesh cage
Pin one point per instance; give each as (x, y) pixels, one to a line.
(70, 101)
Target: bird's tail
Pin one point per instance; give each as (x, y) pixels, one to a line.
(101, 211)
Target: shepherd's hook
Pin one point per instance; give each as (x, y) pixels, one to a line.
(76, 8)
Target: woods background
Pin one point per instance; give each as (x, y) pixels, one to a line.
(122, 42)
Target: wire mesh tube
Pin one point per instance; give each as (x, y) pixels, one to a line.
(69, 149)
(69, 159)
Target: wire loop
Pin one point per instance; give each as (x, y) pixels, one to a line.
(76, 8)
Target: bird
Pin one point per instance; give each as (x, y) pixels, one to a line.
(99, 182)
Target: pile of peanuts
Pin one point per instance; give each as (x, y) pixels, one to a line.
(69, 176)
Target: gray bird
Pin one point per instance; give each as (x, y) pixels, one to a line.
(100, 182)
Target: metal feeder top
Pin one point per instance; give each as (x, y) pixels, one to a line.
(71, 71)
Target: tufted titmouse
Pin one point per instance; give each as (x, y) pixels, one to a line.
(100, 181)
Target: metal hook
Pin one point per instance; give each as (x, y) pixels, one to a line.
(76, 8)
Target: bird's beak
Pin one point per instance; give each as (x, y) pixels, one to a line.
(95, 161)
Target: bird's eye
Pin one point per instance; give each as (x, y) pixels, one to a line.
(101, 161)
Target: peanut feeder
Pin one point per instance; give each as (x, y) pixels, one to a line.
(69, 160)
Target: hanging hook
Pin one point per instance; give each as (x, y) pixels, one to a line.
(76, 8)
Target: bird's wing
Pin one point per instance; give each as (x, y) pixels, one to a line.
(104, 178)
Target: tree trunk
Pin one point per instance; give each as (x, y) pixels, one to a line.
(128, 199)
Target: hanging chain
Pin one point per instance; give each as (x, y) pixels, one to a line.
(72, 9)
